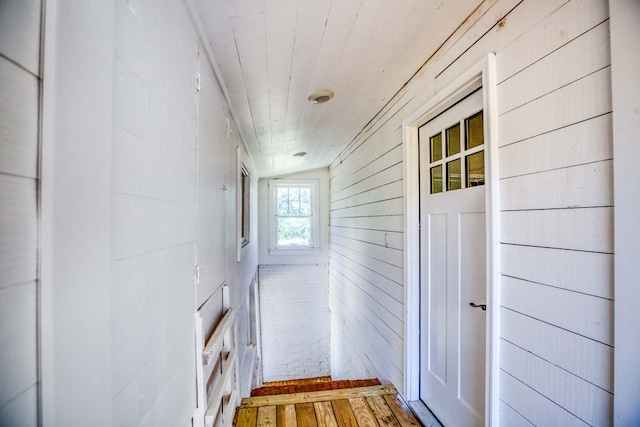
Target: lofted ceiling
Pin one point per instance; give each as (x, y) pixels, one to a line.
(272, 54)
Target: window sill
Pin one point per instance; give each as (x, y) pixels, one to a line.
(289, 252)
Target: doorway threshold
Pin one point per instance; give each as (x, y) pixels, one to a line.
(423, 413)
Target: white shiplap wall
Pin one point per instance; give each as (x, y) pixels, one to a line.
(168, 139)
(19, 183)
(553, 72)
(121, 199)
(153, 215)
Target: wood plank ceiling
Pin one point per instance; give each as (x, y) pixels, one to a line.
(272, 54)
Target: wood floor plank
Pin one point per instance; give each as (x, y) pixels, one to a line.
(344, 414)
(286, 416)
(375, 406)
(317, 396)
(382, 412)
(362, 413)
(401, 411)
(266, 416)
(247, 417)
(306, 415)
(324, 414)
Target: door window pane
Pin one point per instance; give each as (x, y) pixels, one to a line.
(475, 169)
(436, 147)
(453, 175)
(453, 140)
(475, 130)
(436, 179)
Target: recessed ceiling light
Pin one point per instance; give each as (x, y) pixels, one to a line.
(320, 96)
(300, 154)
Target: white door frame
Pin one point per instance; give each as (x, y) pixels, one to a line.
(482, 75)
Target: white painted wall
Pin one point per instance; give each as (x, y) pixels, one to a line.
(76, 213)
(295, 321)
(554, 129)
(19, 184)
(625, 58)
(119, 213)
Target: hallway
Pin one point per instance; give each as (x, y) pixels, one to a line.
(180, 205)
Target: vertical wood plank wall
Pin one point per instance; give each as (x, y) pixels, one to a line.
(19, 183)
(553, 69)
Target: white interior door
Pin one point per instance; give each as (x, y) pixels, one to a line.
(453, 264)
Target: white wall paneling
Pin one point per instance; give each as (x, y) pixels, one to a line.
(556, 176)
(76, 213)
(122, 186)
(576, 144)
(625, 57)
(20, 30)
(19, 360)
(19, 211)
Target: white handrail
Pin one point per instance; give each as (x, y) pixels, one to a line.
(215, 343)
(216, 401)
(216, 363)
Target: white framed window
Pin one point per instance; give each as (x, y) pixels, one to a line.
(294, 217)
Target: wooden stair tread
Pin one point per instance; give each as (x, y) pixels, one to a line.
(310, 384)
(317, 396)
(373, 406)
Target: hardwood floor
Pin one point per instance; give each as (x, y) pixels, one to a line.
(373, 406)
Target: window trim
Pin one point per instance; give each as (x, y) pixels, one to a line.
(245, 206)
(243, 195)
(314, 249)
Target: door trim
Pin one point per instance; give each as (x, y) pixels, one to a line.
(481, 75)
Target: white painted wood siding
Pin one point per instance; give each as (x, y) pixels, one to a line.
(153, 215)
(19, 183)
(157, 228)
(555, 156)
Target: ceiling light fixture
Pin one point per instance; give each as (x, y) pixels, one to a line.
(320, 96)
(300, 154)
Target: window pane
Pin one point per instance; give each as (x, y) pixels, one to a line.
(305, 201)
(436, 147)
(294, 201)
(282, 200)
(475, 130)
(453, 140)
(475, 169)
(453, 175)
(436, 179)
(294, 232)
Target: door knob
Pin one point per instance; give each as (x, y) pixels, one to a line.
(482, 306)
